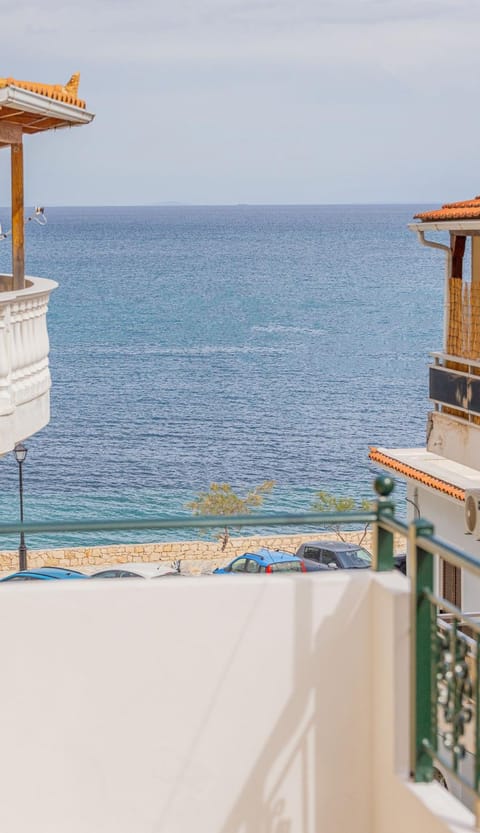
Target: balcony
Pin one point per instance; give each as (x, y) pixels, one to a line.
(455, 384)
(454, 424)
(321, 702)
(24, 347)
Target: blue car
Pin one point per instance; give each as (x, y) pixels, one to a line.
(264, 561)
(44, 574)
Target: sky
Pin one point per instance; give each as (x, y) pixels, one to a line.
(252, 101)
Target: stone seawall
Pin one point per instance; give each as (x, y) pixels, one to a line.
(196, 556)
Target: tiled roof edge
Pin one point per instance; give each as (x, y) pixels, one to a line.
(462, 210)
(53, 91)
(472, 213)
(377, 456)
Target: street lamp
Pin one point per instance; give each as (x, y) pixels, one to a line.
(20, 455)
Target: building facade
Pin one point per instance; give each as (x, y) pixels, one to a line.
(443, 477)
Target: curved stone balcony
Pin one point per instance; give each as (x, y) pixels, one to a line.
(24, 347)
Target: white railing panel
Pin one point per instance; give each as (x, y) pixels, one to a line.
(24, 372)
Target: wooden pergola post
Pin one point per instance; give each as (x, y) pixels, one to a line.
(18, 222)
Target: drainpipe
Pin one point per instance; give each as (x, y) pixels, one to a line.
(448, 268)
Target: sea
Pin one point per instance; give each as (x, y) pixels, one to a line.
(195, 344)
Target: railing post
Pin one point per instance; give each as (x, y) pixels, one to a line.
(477, 731)
(382, 538)
(423, 658)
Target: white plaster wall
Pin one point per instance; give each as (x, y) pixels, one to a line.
(217, 705)
(454, 438)
(211, 704)
(447, 516)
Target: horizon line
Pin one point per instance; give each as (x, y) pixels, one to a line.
(228, 204)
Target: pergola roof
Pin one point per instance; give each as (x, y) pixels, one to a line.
(30, 107)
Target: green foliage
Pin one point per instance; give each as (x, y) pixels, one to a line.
(326, 502)
(222, 500)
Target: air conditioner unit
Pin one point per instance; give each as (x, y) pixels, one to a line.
(472, 512)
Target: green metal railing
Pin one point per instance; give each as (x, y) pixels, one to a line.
(446, 671)
(445, 655)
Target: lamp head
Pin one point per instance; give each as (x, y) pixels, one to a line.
(20, 452)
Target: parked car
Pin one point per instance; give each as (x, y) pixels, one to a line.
(401, 562)
(44, 574)
(137, 570)
(336, 555)
(264, 561)
(314, 566)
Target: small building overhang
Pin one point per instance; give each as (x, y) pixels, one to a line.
(431, 470)
(461, 216)
(33, 112)
(470, 226)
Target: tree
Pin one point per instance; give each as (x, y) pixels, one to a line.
(326, 502)
(222, 500)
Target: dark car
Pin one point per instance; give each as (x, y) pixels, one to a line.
(44, 574)
(314, 566)
(264, 561)
(336, 555)
(400, 561)
(137, 570)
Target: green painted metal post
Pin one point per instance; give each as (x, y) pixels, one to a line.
(423, 663)
(383, 538)
(477, 729)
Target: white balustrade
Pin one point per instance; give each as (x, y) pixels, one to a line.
(24, 346)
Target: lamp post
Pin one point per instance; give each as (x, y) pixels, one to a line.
(20, 452)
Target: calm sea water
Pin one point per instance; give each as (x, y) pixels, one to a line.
(200, 344)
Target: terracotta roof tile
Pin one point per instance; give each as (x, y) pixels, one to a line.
(464, 210)
(382, 459)
(67, 93)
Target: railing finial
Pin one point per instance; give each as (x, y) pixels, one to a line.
(383, 485)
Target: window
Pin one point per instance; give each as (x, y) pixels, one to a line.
(286, 567)
(252, 566)
(328, 557)
(239, 565)
(109, 574)
(313, 553)
(355, 559)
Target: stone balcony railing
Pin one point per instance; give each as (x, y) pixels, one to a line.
(24, 347)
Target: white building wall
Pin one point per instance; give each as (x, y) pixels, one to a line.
(453, 438)
(447, 516)
(217, 705)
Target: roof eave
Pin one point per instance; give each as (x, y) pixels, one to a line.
(419, 474)
(446, 225)
(30, 102)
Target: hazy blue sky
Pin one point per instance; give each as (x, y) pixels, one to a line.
(260, 101)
